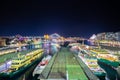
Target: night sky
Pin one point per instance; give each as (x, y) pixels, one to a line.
(67, 18)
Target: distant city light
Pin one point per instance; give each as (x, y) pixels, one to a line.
(93, 36)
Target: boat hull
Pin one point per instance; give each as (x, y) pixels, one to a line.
(101, 76)
(111, 72)
(110, 63)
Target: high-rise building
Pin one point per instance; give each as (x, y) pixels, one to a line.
(2, 42)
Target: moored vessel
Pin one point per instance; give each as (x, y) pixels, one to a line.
(21, 63)
(40, 67)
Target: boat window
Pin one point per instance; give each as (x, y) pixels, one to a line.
(15, 63)
(42, 64)
(119, 58)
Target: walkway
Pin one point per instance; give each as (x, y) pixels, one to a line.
(66, 62)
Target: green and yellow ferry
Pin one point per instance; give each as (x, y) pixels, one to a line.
(21, 63)
(106, 58)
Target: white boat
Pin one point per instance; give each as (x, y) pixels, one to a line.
(94, 67)
(40, 67)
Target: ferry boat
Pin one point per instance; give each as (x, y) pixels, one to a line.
(106, 58)
(21, 63)
(99, 51)
(109, 59)
(40, 67)
(7, 51)
(91, 62)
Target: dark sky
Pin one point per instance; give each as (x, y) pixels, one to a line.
(67, 18)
